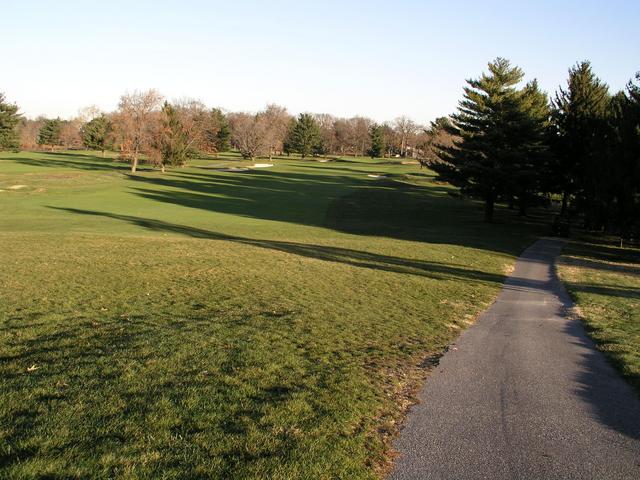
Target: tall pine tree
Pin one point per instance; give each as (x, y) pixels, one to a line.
(9, 119)
(304, 136)
(376, 135)
(580, 122)
(624, 161)
(223, 133)
(525, 173)
(49, 134)
(96, 133)
(172, 142)
(488, 128)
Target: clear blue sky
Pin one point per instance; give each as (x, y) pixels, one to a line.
(375, 58)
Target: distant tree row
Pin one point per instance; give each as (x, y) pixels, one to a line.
(513, 144)
(144, 120)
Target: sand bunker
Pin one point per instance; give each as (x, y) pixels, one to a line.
(373, 175)
(262, 165)
(323, 160)
(16, 187)
(410, 162)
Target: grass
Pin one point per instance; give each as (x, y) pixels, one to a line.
(604, 281)
(204, 324)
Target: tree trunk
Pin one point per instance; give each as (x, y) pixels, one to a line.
(162, 167)
(488, 208)
(102, 153)
(134, 163)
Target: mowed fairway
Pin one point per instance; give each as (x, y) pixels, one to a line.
(208, 324)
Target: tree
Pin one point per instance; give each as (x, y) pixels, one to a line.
(70, 133)
(275, 121)
(406, 129)
(50, 133)
(29, 132)
(9, 120)
(437, 138)
(327, 131)
(223, 133)
(304, 136)
(248, 134)
(96, 133)
(211, 127)
(361, 140)
(488, 125)
(525, 173)
(376, 134)
(173, 143)
(624, 161)
(579, 116)
(134, 122)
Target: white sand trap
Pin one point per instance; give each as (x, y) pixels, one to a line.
(410, 162)
(262, 165)
(16, 187)
(373, 175)
(323, 160)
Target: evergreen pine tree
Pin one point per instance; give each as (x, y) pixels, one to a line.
(376, 134)
(50, 133)
(96, 133)
(9, 119)
(223, 135)
(305, 137)
(173, 142)
(488, 125)
(525, 173)
(624, 161)
(580, 119)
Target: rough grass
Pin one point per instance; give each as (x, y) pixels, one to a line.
(202, 324)
(605, 283)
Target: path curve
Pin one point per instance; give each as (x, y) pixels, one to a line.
(523, 394)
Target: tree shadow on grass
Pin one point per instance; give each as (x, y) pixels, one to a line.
(78, 162)
(356, 258)
(326, 196)
(347, 204)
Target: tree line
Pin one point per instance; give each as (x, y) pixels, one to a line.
(516, 145)
(508, 142)
(146, 126)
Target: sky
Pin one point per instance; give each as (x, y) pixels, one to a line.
(380, 59)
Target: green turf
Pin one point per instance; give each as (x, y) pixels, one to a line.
(604, 280)
(205, 324)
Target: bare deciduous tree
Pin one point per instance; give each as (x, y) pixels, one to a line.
(134, 121)
(29, 130)
(70, 133)
(406, 130)
(248, 134)
(275, 123)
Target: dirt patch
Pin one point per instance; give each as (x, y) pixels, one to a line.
(16, 187)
